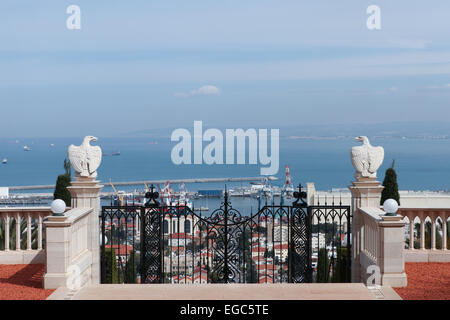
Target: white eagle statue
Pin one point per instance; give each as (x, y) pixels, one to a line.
(85, 159)
(366, 158)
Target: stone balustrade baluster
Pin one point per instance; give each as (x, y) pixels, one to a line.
(411, 232)
(444, 232)
(39, 245)
(422, 233)
(18, 233)
(29, 234)
(433, 232)
(7, 232)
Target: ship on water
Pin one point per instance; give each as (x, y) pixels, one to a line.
(114, 153)
(5, 161)
(26, 148)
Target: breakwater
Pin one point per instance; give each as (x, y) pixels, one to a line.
(149, 182)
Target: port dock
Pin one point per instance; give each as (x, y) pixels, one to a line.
(43, 194)
(148, 182)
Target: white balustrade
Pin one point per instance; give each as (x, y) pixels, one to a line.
(370, 235)
(424, 216)
(431, 250)
(33, 217)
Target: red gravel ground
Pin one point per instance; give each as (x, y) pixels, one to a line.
(426, 281)
(22, 282)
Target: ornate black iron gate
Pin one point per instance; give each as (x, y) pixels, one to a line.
(154, 243)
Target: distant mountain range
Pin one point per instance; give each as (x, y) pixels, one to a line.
(398, 129)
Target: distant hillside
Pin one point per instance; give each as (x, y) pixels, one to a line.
(440, 130)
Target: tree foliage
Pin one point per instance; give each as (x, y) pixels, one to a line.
(390, 190)
(323, 266)
(111, 271)
(342, 271)
(67, 168)
(64, 181)
(131, 267)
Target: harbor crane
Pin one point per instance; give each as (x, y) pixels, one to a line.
(119, 197)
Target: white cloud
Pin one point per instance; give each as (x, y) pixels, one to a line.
(202, 91)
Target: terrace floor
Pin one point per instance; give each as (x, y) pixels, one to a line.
(22, 282)
(426, 281)
(315, 291)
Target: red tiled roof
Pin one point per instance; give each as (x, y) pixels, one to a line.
(268, 267)
(256, 235)
(265, 280)
(260, 259)
(182, 278)
(181, 235)
(120, 249)
(204, 276)
(206, 254)
(281, 246)
(197, 269)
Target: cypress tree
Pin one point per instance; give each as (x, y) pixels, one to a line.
(111, 270)
(67, 168)
(390, 190)
(131, 274)
(63, 181)
(341, 273)
(323, 266)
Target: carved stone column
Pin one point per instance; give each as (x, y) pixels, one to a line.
(85, 193)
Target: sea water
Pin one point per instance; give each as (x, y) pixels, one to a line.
(420, 164)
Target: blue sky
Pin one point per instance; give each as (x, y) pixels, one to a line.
(137, 65)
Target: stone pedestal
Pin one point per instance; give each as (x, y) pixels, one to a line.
(86, 194)
(57, 244)
(366, 192)
(366, 195)
(67, 256)
(392, 245)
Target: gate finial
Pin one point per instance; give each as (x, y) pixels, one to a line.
(300, 196)
(152, 195)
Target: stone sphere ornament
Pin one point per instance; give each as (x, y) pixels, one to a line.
(58, 207)
(391, 207)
